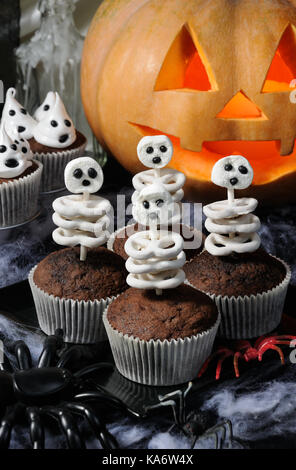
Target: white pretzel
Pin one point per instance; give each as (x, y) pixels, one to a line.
(77, 237)
(221, 245)
(74, 206)
(172, 180)
(225, 210)
(155, 260)
(243, 224)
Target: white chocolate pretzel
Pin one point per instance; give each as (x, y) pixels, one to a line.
(155, 262)
(172, 180)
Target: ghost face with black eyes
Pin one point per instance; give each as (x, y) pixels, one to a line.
(16, 118)
(233, 172)
(83, 175)
(154, 206)
(155, 151)
(13, 156)
(55, 128)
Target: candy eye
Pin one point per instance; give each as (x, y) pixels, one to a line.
(11, 163)
(54, 123)
(243, 170)
(150, 149)
(68, 123)
(163, 148)
(23, 111)
(46, 107)
(16, 142)
(13, 147)
(156, 160)
(77, 173)
(159, 202)
(86, 183)
(24, 150)
(11, 112)
(92, 173)
(146, 204)
(21, 129)
(3, 148)
(63, 138)
(228, 167)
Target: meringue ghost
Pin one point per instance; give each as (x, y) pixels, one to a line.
(13, 159)
(16, 118)
(55, 127)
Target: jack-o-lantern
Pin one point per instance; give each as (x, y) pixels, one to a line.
(215, 76)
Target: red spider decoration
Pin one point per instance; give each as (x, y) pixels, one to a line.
(244, 350)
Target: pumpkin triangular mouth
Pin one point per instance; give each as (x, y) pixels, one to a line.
(241, 107)
(185, 66)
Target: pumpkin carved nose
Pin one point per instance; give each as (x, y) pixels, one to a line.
(241, 107)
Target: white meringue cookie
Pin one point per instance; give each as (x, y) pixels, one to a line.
(16, 118)
(13, 161)
(55, 129)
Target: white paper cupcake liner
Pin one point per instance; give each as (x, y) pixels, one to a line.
(130, 228)
(251, 316)
(19, 198)
(54, 166)
(160, 362)
(81, 321)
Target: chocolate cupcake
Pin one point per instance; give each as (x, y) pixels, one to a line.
(160, 331)
(247, 284)
(72, 287)
(20, 178)
(193, 239)
(55, 141)
(161, 339)
(72, 294)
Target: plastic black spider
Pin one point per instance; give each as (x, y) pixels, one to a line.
(51, 390)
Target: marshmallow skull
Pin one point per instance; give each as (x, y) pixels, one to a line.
(13, 156)
(83, 175)
(154, 205)
(155, 151)
(232, 172)
(55, 128)
(16, 118)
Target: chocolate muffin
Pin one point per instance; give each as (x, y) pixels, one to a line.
(72, 295)
(62, 274)
(236, 274)
(177, 313)
(31, 169)
(161, 339)
(117, 242)
(36, 147)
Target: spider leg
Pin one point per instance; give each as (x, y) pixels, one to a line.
(213, 356)
(68, 426)
(108, 399)
(6, 365)
(106, 439)
(93, 368)
(51, 345)
(220, 362)
(23, 355)
(73, 354)
(6, 424)
(238, 355)
(36, 427)
(264, 348)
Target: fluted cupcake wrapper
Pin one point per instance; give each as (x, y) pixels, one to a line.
(81, 321)
(54, 164)
(160, 362)
(254, 315)
(19, 198)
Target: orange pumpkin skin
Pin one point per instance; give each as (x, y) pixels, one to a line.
(134, 83)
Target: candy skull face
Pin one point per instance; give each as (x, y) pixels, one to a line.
(83, 175)
(155, 151)
(16, 118)
(13, 156)
(232, 172)
(153, 206)
(55, 128)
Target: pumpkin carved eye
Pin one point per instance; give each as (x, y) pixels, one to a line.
(192, 71)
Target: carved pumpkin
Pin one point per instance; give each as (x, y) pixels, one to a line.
(213, 76)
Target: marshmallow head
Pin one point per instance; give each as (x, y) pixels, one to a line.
(232, 172)
(155, 151)
(83, 175)
(153, 206)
